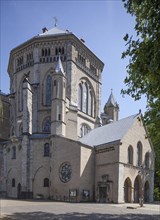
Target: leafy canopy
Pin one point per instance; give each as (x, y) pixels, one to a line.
(143, 70)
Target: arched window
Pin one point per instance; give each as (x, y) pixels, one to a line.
(13, 182)
(46, 125)
(147, 160)
(90, 103)
(139, 153)
(14, 152)
(42, 52)
(45, 52)
(48, 90)
(46, 150)
(46, 182)
(20, 97)
(85, 98)
(49, 52)
(85, 129)
(80, 92)
(62, 50)
(130, 155)
(56, 51)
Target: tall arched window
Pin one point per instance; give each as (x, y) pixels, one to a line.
(147, 160)
(48, 90)
(46, 127)
(130, 155)
(20, 97)
(85, 98)
(90, 103)
(80, 92)
(139, 153)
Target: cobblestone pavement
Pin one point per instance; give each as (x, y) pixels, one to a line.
(49, 210)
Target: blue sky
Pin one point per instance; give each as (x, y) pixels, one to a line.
(102, 24)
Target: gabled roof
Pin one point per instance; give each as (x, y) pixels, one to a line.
(109, 133)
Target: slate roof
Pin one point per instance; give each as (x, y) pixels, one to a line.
(108, 133)
(54, 31)
(111, 101)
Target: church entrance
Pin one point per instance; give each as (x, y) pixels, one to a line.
(19, 191)
(102, 194)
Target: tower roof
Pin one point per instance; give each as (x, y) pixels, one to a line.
(111, 101)
(53, 31)
(59, 66)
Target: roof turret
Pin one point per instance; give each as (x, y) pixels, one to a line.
(59, 66)
(111, 101)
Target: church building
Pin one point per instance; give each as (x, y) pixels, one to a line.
(60, 146)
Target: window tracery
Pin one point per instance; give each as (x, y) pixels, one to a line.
(85, 129)
(85, 98)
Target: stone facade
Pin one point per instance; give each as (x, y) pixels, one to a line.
(54, 104)
(4, 116)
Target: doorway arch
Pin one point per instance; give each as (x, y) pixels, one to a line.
(146, 191)
(127, 190)
(19, 191)
(137, 189)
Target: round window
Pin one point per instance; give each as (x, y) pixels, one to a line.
(65, 172)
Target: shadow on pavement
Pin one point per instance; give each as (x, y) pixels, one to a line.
(76, 215)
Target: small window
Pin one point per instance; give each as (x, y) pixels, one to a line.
(14, 152)
(46, 150)
(59, 117)
(139, 153)
(13, 182)
(147, 160)
(46, 182)
(130, 155)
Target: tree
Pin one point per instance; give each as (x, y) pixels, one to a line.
(143, 70)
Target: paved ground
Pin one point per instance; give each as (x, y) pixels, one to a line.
(48, 210)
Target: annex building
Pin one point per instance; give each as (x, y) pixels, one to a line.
(60, 145)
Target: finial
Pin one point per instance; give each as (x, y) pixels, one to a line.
(111, 90)
(55, 21)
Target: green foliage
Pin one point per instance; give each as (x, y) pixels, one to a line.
(143, 70)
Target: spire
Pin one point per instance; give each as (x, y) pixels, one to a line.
(111, 110)
(111, 101)
(59, 66)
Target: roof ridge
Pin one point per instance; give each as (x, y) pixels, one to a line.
(109, 133)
